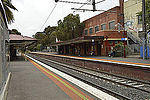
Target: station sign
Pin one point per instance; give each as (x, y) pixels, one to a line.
(123, 38)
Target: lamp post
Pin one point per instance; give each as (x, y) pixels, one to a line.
(124, 47)
(106, 43)
(144, 30)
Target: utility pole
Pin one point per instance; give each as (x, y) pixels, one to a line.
(93, 3)
(121, 2)
(144, 30)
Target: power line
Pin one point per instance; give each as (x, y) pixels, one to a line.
(48, 16)
(81, 7)
(93, 4)
(74, 2)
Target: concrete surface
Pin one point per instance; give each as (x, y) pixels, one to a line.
(130, 58)
(28, 83)
(127, 59)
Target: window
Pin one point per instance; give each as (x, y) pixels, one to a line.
(139, 19)
(91, 30)
(110, 42)
(103, 26)
(86, 32)
(112, 25)
(116, 42)
(96, 29)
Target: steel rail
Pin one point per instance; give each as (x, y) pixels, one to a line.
(128, 79)
(53, 64)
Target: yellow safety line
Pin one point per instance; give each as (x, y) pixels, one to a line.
(99, 59)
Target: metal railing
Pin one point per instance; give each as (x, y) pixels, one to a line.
(134, 38)
(135, 47)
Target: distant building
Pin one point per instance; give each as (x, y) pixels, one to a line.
(132, 20)
(133, 24)
(106, 24)
(101, 33)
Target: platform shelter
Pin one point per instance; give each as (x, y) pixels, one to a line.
(19, 42)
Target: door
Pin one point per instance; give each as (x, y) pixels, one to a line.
(99, 49)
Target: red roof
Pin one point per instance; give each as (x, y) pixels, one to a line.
(20, 37)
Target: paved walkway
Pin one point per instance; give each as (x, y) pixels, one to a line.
(31, 81)
(28, 83)
(127, 59)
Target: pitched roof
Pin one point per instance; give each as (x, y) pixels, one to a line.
(79, 40)
(14, 37)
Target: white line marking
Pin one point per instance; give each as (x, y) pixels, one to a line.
(138, 85)
(98, 93)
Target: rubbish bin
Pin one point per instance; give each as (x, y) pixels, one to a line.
(148, 52)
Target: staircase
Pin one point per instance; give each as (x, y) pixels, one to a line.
(134, 47)
(134, 38)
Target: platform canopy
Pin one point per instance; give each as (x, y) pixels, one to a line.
(20, 40)
(79, 40)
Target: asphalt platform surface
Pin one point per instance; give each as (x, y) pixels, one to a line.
(28, 83)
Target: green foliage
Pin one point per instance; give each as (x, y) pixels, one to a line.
(8, 6)
(118, 49)
(118, 46)
(14, 31)
(48, 30)
(40, 36)
(44, 38)
(38, 47)
(69, 28)
(32, 47)
(147, 14)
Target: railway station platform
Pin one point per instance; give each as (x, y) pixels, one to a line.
(28, 83)
(31, 81)
(129, 60)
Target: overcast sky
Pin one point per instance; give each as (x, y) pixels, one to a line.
(32, 14)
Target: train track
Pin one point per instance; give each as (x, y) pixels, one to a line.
(143, 87)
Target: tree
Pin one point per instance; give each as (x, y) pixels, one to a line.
(47, 37)
(14, 31)
(40, 37)
(69, 28)
(147, 14)
(7, 6)
(49, 29)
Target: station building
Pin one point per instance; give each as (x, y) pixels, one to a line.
(100, 34)
(18, 42)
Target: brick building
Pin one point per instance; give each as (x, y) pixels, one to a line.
(106, 24)
(100, 34)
